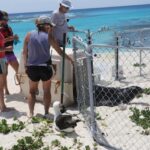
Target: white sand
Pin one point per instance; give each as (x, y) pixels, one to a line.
(119, 131)
(17, 101)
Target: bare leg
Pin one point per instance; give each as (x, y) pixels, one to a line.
(32, 97)
(15, 65)
(47, 95)
(5, 81)
(2, 104)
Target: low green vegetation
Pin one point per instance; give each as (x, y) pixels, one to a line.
(62, 134)
(28, 143)
(55, 143)
(146, 91)
(40, 119)
(5, 128)
(1, 148)
(35, 140)
(141, 118)
(98, 116)
(87, 147)
(138, 65)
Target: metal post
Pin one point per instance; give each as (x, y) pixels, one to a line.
(76, 71)
(140, 63)
(89, 42)
(117, 59)
(90, 82)
(89, 38)
(63, 68)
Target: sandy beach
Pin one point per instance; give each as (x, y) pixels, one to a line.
(76, 140)
(117, 34)
(117, 128)
(115, 122)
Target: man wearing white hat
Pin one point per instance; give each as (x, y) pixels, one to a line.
(59, 19)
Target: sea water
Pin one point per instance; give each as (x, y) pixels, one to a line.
(126, 17)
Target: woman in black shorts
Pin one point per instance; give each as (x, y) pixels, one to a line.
(37, 61)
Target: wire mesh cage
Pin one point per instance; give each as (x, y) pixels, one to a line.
(82, 35)
(81, 57)
(122, 102)
(113, 92)
(135, 38)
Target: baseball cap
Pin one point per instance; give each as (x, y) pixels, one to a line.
(66, 3)
(41, 20)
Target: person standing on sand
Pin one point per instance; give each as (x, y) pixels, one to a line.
(7, 32)
(3, 69)
(37, 60)
(59, 19)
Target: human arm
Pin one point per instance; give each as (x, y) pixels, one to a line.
(11, 38)
(56, 46)
(6, 49)
(25, 48)
(71, 28)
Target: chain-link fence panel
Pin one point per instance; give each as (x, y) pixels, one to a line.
(104, 35)
(82, 35)
(122, 104)
(84, 86)
(113, 92)
(135, 62)
(82, 76)
(135, 38)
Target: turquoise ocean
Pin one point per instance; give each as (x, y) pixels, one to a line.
(125, 17)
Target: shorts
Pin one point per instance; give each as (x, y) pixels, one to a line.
(37, 73)
(3, 69)
(10, 57)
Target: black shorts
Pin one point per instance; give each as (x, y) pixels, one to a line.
(37, 73)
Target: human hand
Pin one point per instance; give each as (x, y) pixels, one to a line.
(71, 28)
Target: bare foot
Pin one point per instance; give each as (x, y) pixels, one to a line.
(30, 115)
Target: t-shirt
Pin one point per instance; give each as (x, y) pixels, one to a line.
(59, 19)
(7, 32)
(2, 41)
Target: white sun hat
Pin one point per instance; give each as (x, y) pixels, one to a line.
(66, 3)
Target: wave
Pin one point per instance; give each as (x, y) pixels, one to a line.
(27, 17)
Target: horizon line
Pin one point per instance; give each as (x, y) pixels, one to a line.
(82, 8)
